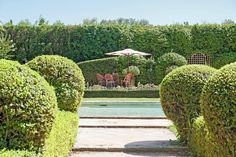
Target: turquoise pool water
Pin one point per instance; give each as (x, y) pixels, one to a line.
(121, 109)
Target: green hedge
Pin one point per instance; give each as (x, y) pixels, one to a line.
(63, 135)
(108, 65)
(218, 104)
(65, 76)
(167, 63)
(17, 153)
(27, 106)
(92, 67)
(86, 42)
(199, 142)
(180, 95)
(223, 59)
(122, 93)
(59, 142)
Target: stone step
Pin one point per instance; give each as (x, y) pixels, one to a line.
(123, 117)
(127, 139)
(123, 154)
(125, 123)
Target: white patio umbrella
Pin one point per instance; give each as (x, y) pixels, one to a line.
(128, 53)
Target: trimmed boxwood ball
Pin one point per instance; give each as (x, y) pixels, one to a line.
(27, 107)
(167, 63)
(180, 95)
(65, 76)
(218, 103)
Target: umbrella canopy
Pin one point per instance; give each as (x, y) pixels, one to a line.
(128, 52)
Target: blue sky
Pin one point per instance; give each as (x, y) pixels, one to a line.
(158, 12)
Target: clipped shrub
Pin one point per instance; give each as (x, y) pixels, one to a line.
(223, 59)
(92, 67)
(218, 104)
(18, 153)
(199, 142)
(171, 68)
(166, 61)
(59, 142)
(180, 95)
(131, 69)
(108, 65)
(61, 138)
(27, 107)
(65, 76)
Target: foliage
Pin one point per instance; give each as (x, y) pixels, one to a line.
(131, 69)
(121, 21)
(92, 41)
(65, 76)
(17, 153)
(223, 59)
(209, 39)
(199, 141)
(102, 66)
(59, 142)
(108, 65)
(6, 45)
(178, 39)
(146, 68)
(168, 62)
(27, 106)
(228, 21)
(124, 93)
(148, 39)
(171, 68)
(138, 87)
(61, 138)
(180, 94)
(218, 104)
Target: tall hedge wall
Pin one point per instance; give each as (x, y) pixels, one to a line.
(109, 65)
(86, 42)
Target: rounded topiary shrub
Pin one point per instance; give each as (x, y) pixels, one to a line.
(218, 103)
(27, 107)
(180, 95)
(167, 61)
(65, 76)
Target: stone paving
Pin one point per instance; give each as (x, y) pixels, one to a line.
(150, 123)
(102, 138)
(123, 154)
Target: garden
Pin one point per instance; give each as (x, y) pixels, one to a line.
(47, 70)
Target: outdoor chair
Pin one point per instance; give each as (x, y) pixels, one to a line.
(116, 78)
(127, 80)
(100, 79)
(109, 80)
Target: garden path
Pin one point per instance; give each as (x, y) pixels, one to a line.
(126, 138)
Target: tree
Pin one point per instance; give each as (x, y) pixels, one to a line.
(125, 21)
(228, 21)
(25, 22)
(6, 45)
(58, 23)
(41, 21)
(90, 21)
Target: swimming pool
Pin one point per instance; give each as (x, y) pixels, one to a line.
(121, 109)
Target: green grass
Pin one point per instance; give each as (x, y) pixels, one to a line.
(122, 99)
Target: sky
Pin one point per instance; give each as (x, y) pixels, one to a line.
(157, 12)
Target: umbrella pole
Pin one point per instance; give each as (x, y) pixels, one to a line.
(128, 63)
